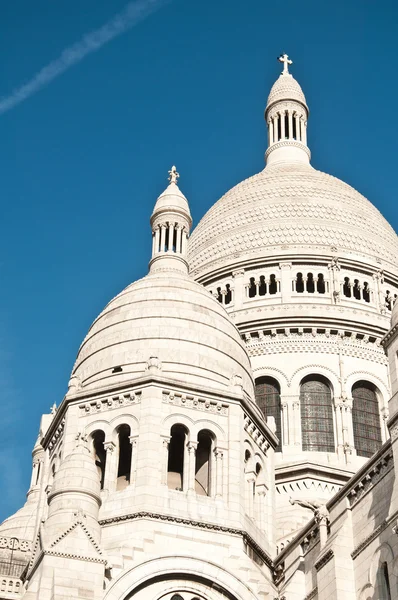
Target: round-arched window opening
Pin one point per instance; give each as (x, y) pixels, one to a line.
(268, 399)
(365, 418)
(177, 597)
(316, 414)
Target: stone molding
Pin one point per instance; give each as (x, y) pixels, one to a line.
(109, 403)
(255, 434)
(324, 559)
(191, 523)
(284, 143)
(57, 437)
(389, 336)
(195, 402)
(313, 594)
(13, 543)
(370, 478)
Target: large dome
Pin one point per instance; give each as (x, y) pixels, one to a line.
(290, 207)
(166, 317)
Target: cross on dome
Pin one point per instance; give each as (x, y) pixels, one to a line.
(284, 58)
(173, 175)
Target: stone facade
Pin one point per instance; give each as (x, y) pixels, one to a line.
(226, 431)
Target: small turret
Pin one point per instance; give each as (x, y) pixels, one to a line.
(76, 489)
(286, 116)
(171, 222)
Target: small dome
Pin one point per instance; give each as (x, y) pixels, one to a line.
(169, 318)
(21, 524)
(77, 472)
(172, 199)
(286, 88)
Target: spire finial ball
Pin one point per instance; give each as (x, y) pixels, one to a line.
(173, 175)
(283, 58)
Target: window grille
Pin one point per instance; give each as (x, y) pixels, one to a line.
(365, 419)
(316, 415)
(268, 398)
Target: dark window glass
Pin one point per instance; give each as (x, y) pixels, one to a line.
(268, 398)
(310, 283)
(316, 415)
(252, 288)
(365, 419)
(300, 283)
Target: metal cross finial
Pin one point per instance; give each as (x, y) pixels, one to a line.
(283, 58)
(173, 175)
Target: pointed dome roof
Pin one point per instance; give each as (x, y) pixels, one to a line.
(172, 199)
(286, 88)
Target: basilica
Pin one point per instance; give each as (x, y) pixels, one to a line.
(230, 428)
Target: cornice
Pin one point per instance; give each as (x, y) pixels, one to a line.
(372, 536)
(390, 337)
(324, 559)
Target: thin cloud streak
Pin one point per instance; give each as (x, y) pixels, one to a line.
(91, 42)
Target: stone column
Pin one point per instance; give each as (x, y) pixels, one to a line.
(184, 242)
(153, 243)
(165, 457)
(290, 117)
(338, 408)
(286, 281)
(110, 466)
(250, 482)
(162, 237)
(178, 239)
(189, 472)
(276, 128)
(285, 424)
(296, 422)
(157, 237)
(296, 116)
(270, 132)
(218, 487)
(302, 134)
(239, 288)
(171, 237)
(282, 118)
(261, 516)
(133, 467)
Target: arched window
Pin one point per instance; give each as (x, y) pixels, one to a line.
(320, 284)
(347, 287)
(219, 295)
(310, 283)
(262, 290)
(98, 438)
(228, 295)
(357, 290)
(316, 414)
(177, 597)
(252, 288)
(366, 292)
(203, 464)
(299, 283)
(273, 284)
(124, 465)
(175, 467)
(365, 419)
(268, 399)
(382, 587)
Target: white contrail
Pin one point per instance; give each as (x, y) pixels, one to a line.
(91, 42)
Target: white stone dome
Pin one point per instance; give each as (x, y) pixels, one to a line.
(166, 317)
(286, 88)
(291, 208)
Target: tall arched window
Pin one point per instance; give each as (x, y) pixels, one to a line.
(268, 398)
(98, 438)
(365, 419)
(316, 414)
(124, 464)
(203, 464)
(175, 466)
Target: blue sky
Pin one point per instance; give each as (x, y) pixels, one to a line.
(83, 160)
